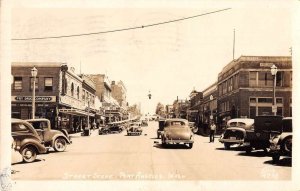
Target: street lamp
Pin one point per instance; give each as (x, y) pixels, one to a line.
(34, 72)
(211, 97)
(274, 72)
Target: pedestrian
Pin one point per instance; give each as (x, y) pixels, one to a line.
(212, 132)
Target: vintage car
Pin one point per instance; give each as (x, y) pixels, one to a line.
(235, 131)
(135, 129)
(281, 144)
(52, 138)
(104, 130)
(161, 125)
(177, 131)
(27, 140)
(115, 127)
(265, 127)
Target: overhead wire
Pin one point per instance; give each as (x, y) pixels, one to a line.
(119, 30)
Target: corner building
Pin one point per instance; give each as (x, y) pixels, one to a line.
(245, 87)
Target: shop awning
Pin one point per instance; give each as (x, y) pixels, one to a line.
(76, 112)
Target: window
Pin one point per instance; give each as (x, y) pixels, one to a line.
(235, 81)
(36, 83)
(72, 89)
(265, 100)
(18, 83)
(83, 95)
(265, 79)
(279, 78)
(220, 89)
(252, 79)
(224, 87)
(230, 85)
(48, 84)
(78, 92)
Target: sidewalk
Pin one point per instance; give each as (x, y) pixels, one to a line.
(80, 134)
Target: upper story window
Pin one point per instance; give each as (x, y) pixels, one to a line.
(78, 92)
(235, 81)
(48, 84)
(72, 89)
(279, 77)
(224, 87)
(230, 87)
(36, 83)
(18, 85)
(252, 79)
(264, 79)
(83, 95)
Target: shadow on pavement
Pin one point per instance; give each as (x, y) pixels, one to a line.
(254, 154)
(180, 146)
(36, 160)
(285, 162)
(231, 149)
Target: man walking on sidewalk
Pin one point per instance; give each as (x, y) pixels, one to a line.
(212, 132)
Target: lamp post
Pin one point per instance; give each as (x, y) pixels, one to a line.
(274, 72)
(34, 72)
(211, 97)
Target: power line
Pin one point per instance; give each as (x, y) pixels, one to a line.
(119, 30)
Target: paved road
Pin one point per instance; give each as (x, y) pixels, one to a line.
(121, 157)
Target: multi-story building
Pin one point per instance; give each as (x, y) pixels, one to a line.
(180, 108)
(208, 107)
(169, 111)
(58, 93)
(119, 93)
(193, 112)
(245, 87)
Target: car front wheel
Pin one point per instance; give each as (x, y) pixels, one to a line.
(60, 144)
(191, 145)
(29, 154)
(226, 146)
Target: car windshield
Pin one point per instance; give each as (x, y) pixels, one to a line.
(287, 125)
(175, 123)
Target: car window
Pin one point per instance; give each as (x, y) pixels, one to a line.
(39, 124)
(232, 124)
(175, 123)
(18, 127)
(241, 124)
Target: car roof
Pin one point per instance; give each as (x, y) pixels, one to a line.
(38, 119)
(244, 120)
(177, 119)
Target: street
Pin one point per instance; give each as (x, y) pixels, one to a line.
(122, 157)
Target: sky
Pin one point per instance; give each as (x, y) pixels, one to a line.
(168, 60)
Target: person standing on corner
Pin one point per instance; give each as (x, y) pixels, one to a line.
(212, 132)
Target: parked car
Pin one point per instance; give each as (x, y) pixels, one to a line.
(265, 127)
(235, 132)
(281, 144)
(135, 129)
(161, 125)
(104, 130)
(27, 140)
(177, 131)
(52, 138)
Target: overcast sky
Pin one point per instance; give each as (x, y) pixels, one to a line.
(169, 60)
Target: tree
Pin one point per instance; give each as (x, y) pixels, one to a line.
(160, 109)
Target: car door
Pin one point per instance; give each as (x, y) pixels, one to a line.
(38, 126)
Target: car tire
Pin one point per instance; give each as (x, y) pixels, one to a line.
(287, 145)
(226, 146)
(275, 158)
(29, 154)
(190, 145)
(248, 150)
(60, 144)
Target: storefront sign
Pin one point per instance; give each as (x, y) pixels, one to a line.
(266, 65)
(37, 98)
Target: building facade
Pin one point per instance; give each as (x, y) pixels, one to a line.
(245, 87)
(58, 94)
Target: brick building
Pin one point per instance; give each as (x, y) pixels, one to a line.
(58, 93)
(245, 87)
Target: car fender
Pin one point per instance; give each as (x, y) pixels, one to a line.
(60, 136)
(283, 139)
(38, 146)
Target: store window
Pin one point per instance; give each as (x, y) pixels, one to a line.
(36, 83)
(48, 84)
(18, 85)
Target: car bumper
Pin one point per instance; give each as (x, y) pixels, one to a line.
(178, 141)
(233, 141)
(134, 133)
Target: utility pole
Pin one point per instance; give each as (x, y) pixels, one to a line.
(233, 44)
